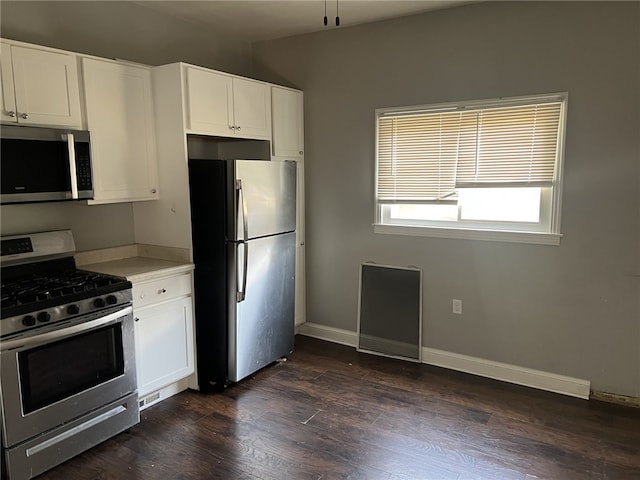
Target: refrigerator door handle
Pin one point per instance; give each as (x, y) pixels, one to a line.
(241, 292)
(242, 208)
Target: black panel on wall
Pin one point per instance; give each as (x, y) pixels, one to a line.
(390, 311)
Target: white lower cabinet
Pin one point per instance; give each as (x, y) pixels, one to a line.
(163, 321)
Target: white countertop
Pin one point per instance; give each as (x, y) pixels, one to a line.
(132, 263)
(139, 269)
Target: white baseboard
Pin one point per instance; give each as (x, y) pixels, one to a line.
(335, 335)
(528, 377)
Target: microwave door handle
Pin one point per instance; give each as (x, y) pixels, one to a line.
(72, 166)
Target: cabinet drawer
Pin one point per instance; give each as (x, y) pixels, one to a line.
(146, 293)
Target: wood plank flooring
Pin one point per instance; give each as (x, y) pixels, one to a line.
(329, 412)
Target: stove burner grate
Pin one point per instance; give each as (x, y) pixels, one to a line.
(42, 291)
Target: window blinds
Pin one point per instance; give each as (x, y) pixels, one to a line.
(424, 156)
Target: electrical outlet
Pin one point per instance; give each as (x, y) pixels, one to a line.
(457, 306)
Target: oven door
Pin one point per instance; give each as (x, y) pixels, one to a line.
(56, 376)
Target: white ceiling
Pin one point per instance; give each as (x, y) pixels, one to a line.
(256, 20)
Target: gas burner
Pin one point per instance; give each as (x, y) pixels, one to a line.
(37, 292)
(43, 291)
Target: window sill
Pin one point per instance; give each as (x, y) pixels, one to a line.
(459, 233)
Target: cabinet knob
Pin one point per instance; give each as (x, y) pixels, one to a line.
(12, 114)
(136, 319)
(232, 127)
(300, 152)
(237, 127)
(24, 115)
(153, 190)
(161, 291)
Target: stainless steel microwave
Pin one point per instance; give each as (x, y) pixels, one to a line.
(44, 164)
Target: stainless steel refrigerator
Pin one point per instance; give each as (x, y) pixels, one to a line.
(243, 221)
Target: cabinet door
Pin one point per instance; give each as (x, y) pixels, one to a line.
(7, 96)
(251, 109)
(46, 87)
(209, 102)
(120, 118)
(164, 344)
(287, 112)
(300, 316)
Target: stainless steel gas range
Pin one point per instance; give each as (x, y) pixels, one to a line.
(67, 371)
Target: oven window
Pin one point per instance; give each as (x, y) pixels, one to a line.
(60, 369)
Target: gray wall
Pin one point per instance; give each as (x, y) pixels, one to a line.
(113, 30)
(96, 226)
(124, 30)
(572, 309)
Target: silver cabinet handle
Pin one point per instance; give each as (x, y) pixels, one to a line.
(12, 114)
(25, 115)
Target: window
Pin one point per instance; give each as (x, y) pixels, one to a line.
(486, 169)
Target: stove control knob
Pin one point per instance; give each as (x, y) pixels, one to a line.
(44, 316)
(73, 309)
(112, 300)
(29, 321)
(98, 303)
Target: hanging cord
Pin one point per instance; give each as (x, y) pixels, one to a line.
(326, 20)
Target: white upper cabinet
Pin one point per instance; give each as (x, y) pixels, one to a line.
(39, 87)
(120, 118)
(287, 112)
(209, 102)
(252, 108)
(227, 106)
(7, 93)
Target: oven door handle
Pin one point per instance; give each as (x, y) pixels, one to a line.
(47, 337)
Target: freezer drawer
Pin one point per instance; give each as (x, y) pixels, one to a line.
(261, 322)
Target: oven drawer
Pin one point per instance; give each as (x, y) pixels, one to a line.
(154, 291)
(43, 452)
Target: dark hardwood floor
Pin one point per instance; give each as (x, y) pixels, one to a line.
(329, 412)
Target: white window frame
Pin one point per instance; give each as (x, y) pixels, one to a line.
(547, 232)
